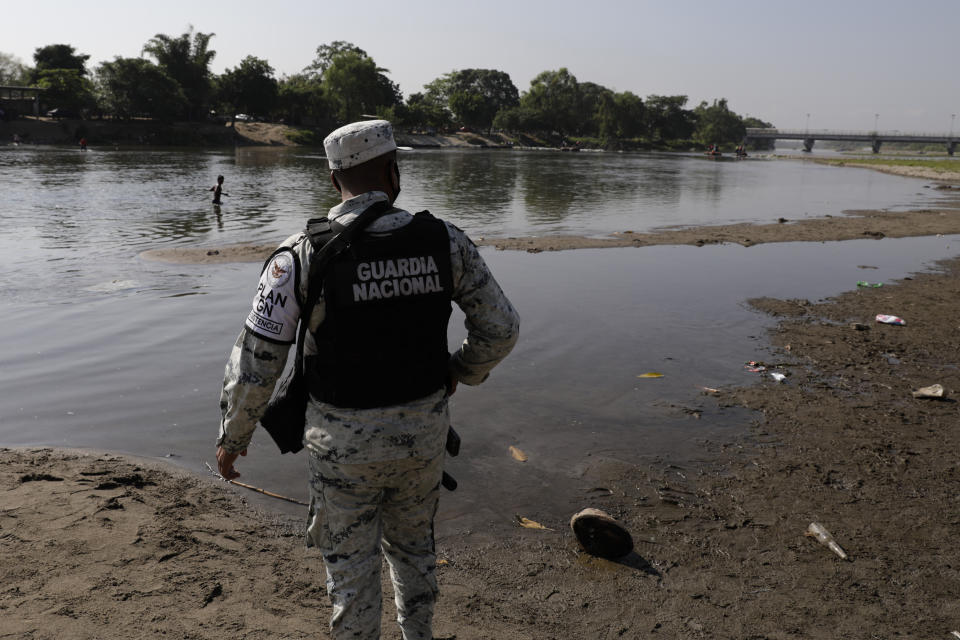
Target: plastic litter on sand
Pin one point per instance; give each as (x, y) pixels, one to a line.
(933, 391)
(888, 319)
(817, 531)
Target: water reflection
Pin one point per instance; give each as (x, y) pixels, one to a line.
(472, 186)
(707, 180)
(629, 187)
(660, 177)
(551, 186)
(284, 184)
(91, 213)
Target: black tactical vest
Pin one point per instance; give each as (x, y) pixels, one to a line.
(384, 337)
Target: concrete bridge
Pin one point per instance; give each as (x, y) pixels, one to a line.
(875, 138)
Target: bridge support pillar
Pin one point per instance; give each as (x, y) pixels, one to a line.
(876, 145)
(808, 144)
(951, 148)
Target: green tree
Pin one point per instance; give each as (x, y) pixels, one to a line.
(250, 88)
(469, 109)
(58, 56)
(756, 123)
(556, 97)
(300, 97)
(425, 111)
(326, 53)
(606, 119)
(620, 116)
(187, 60)
(630, 113)
(519, 120)
(666, 119)
(594, 101)
(717, 124)
(354, 86)
(67, 90)
(131, 87)
(474, 96)
(12, 71)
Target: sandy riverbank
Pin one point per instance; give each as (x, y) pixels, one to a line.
(926, 173)
(95, 544)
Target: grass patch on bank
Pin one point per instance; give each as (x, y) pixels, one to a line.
(944, 165)
(305, 137)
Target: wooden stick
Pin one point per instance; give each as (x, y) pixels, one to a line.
(253, 488)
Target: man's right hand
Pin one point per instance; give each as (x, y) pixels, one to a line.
(225, 462)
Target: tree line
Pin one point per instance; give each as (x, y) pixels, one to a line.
(172, 81)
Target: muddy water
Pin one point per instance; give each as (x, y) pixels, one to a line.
(105, 351)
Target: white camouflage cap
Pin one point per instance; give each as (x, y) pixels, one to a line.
(358, 142)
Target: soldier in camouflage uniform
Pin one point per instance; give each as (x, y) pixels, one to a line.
(380, 377)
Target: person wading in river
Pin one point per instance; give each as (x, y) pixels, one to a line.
(218, 190)
(379, 375)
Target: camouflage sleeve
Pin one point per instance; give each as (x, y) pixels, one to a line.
(492, 323)
(251, 373)
(260, 353)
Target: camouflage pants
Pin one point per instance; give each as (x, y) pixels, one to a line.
(359, 509)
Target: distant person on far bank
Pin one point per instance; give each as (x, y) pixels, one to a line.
(379, 376)
(218, 190)
(83, 144)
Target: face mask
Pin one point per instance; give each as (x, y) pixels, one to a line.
(396, 172)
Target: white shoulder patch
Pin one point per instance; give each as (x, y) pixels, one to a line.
(275, 308)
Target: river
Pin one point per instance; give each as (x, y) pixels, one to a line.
(105, 350)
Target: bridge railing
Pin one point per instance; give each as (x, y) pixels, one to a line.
(813, 133)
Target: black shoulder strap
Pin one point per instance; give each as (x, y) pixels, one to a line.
(329, 239)
(320, 230)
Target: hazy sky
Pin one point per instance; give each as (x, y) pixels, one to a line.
(841, 61)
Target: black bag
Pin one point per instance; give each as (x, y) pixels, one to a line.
(285, 415)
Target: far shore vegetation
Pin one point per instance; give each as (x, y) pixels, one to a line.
(171, 82)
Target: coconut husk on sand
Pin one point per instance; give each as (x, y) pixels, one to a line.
(600, 535)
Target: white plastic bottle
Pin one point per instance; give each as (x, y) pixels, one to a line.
(816, 530)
